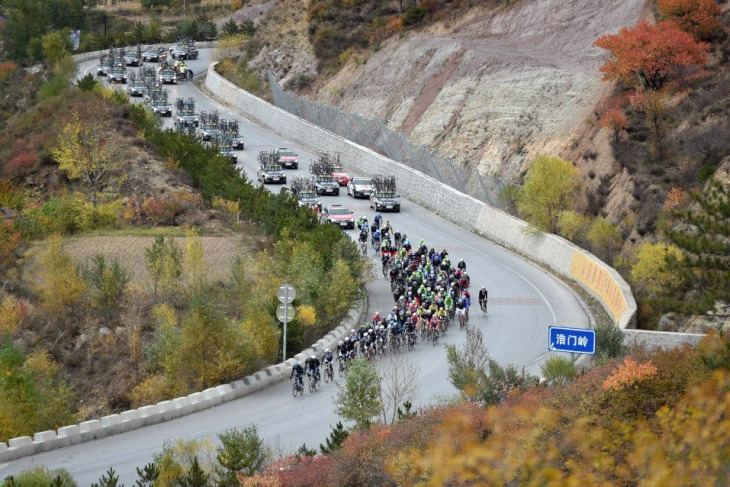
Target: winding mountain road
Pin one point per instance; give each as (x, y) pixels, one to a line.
(524, 301)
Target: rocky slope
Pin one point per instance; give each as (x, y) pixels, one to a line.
(492, 87)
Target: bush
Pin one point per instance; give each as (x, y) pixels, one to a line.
(609, 341)
(558, 371)
(155, 3)
(42, 476)
(414, 15)
(54, 86)
(87, 83)
(705, 173)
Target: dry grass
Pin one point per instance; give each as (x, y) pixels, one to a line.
(134, 5)
(129, 250)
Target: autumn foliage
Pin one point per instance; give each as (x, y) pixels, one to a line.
(697, 17)
(615, 120)
(652, 53)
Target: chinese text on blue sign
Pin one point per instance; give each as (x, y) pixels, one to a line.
(575, 340)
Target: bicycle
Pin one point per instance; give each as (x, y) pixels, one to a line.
(411, 340)
(483, 305)
(342, 367)
(329, 373)
(435, 336)
(297, 387)
(313, 382)
(364, 247)
(462, 321)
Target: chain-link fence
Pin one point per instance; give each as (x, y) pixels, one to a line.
(376, 135)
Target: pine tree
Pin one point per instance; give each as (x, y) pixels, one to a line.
(147, 475)
(338, 435)
(196, 477)
(109, 479)
(704, 238)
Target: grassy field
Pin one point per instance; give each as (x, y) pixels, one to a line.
(129, 250)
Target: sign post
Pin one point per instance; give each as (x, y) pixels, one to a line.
(573, 340)
(285, 311)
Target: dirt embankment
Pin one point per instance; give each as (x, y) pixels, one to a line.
(492, 87)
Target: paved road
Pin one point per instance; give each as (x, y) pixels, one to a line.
(525, 300)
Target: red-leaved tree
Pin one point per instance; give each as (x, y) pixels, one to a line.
(615, 120)
(698, 17)
(650, 52)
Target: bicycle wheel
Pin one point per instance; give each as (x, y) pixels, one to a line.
(410, 343)
(312, 386)
(435, 338)
(294, 389)
(327, 374)
(342, 369)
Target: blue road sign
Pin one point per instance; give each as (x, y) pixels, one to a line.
(574, 340)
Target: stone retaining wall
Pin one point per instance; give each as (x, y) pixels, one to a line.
(175, 408)
(561, 256)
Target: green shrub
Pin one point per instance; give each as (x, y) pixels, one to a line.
(41, 476)
(87, 83)
(705, 173)
(414, 15)
(54, 86)
(558, 370)
(609, 341)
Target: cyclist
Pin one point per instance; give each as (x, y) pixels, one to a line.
(364, 235)
(327, 359)
(311, 365)
(341, 349)
(461, 265)
(378, 220)
(377, 318)
(376, 239)
(297, 370)
(483, 298)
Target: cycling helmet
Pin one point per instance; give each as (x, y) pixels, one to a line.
(296, 363)
(370, 330)
(326, 350)
(484, 287)
(347, 339)
(314, 357)
(352, 331)
(341, 343)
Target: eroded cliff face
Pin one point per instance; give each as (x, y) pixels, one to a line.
(493, 87)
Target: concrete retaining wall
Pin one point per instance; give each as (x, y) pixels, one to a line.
(181, 406)
(561, 256)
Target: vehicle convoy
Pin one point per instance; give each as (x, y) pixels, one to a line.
(209, 125)
(288, 159)
(230, 129)
(185, 112)
(360, 187)
(154, 54)
(133, 57)
(384, 196)
(136, 85)
(338, 215)
(303, 188)
(324, 183)
(158, 102)
(269, 168)
(332, 162)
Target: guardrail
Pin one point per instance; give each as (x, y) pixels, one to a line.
(558, 254)
(175, 408)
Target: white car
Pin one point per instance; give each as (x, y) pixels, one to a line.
(359, 187)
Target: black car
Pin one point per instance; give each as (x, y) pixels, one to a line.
(117, 75)
(385, 201)
(325, 184)
(154, 54)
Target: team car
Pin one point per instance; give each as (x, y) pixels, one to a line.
(325, 184)
(184, 52)
(288, 159)
(360, 187)
(105, 64)
(154, 54)
(309, 199)
(340, 175)
(133, 57)
(338, 215)
(384, 197)
(117, 74)
(271, 173)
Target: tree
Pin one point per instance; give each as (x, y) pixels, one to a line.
(195, 267)
(468, 365)
(551, 187)
(90, 150)
(147, 475)
(614, 120)
(337, 437)
(703, 237)
(650, 52)
(107, 283)
(358, 400)
(604, 238)
(109, 479)
(697, 17)
(398, 385)
(558, 370)
(55, 47)
(27, 22)
(61, 286)
(241, 451)
(164, 263)
(651, 273)
(196, 477)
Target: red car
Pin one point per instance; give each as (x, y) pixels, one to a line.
(338, 215)
(340, 175)
(288, 159)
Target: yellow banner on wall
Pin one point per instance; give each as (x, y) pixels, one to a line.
(600, 281)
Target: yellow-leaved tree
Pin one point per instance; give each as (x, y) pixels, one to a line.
(91, 151)
(60, 285)
(551, 187)
(195, 267)
(651, 273)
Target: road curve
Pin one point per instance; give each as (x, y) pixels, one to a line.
(524, 301)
